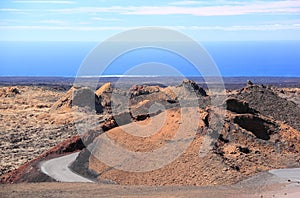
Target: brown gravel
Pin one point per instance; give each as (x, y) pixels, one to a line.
(27, 129)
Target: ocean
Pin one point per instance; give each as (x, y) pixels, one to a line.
(248, 58)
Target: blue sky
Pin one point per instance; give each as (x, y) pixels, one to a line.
(72, 20)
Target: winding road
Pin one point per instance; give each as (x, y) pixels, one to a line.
(58, 169)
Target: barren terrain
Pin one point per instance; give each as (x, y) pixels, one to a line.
(75, 190)
(259, 131)
(27, 129)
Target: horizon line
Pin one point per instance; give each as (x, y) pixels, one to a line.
(149, 76)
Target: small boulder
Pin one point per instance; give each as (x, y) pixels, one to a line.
(85, 97)
(81, 97)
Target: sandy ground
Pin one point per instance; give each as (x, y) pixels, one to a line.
(103, 190)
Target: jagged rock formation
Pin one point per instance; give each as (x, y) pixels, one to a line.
(191, 86)
(268, 103)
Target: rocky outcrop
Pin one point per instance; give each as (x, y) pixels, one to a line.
(105, 88)
(85, 97)
(192, 86)
(104, 94)
(65, 102)
(80, 97)
(268, 103)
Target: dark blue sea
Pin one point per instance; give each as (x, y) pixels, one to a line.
(251, 58)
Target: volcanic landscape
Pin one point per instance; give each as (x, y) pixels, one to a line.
(255, 128)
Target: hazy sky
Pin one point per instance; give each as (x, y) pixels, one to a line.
(204, 20)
